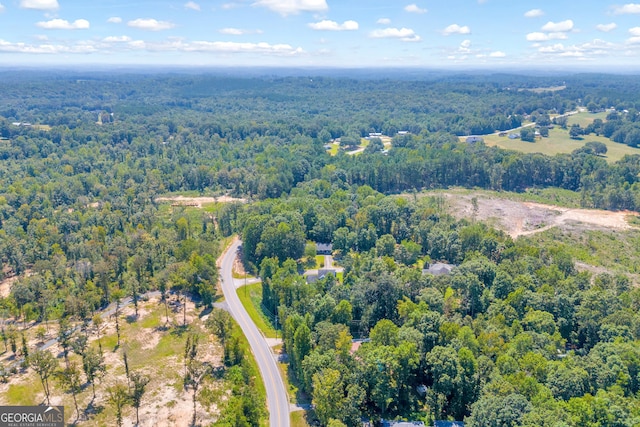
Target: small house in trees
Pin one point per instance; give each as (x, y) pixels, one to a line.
(324, 248)
(473, 139)
(322, 273)
(448, 424)
(439, 269)
(384, 423)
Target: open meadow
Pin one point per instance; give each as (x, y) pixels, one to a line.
(559, 141)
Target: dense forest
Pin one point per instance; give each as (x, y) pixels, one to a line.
(515, 333)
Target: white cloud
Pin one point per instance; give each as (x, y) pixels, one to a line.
(543, 37)
(534, 13)
(537, 37)
(238, 31)
(497, 54)
(414, 8)
(290, 7)
(456, 29)
(63, 24)
(116, 39)
(554, 27)
(192, 5)
(327, 25)
(150, 24)
(114, 20)
(633, 40)
(216, 47)
(39, 4)
(465, 46)
(556, 48)
(404, 34)
(118, 44)
(1, 8)
(635, 31)
(80, 48)
(584, 51)
(627, 9)
(605, 28)
(383, 21)
(229, 6)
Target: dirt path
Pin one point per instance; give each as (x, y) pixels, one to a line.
(198, 201)
(526, 218)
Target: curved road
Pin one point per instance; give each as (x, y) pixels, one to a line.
(277, 398)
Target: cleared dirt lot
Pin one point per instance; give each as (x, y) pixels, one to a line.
(198, 201)
(524, 218)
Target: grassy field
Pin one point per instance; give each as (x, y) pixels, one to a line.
(544, 89)
(251, 298)
(559, 142)
(302, 418)
(551, 196)
(616, 251)
(585, 119)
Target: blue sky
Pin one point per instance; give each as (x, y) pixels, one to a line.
(346, 33)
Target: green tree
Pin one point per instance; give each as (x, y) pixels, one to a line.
(93, 366)
(43, 362)
(220, 324)
(327, 398)
(137, 392)
(118, 398)
(528, 134)
(499, 411)
(69, 379)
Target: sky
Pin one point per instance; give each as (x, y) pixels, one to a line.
(537, 34)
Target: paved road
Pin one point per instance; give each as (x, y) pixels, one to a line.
(277, 398)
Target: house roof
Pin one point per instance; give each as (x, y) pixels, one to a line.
(402, 423)
(324, 247)
(439, 268)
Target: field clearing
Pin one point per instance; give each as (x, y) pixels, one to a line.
(154, 349)
(335, 146)
(198, 202)
(585, 119)
(559, 142)
(524, 218)
(543, 89)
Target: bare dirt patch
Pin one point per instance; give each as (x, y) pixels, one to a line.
(198, 201)
(9, 280)
(154, 350)
(525, 218)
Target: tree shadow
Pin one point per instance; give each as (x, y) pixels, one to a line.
(179, 330)
(93, 409)
(132, 318)
(206, 311)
